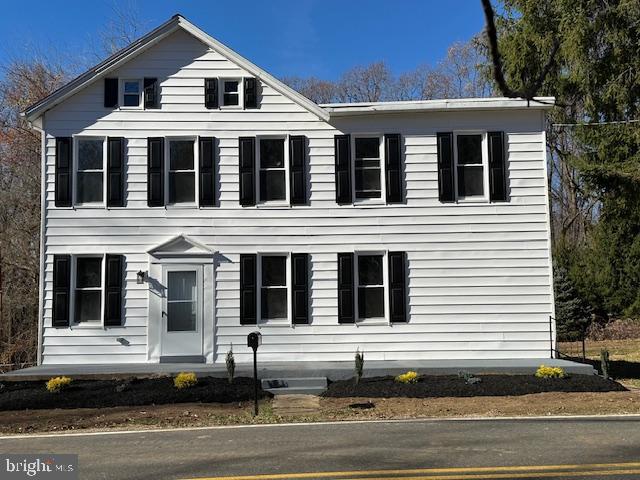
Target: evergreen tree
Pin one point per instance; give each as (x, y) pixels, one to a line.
(573, 315)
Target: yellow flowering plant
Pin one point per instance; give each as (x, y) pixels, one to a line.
(185, 380)
(550, 372)
(57, 384)
(408, 377)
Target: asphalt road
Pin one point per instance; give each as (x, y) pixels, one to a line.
(419, 450)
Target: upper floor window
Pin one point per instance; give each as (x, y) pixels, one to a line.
(88, 289)
(90, 161)
(272, 165)
(182, 172)
(471, 165)
(230, 93)
(368, 169)
(131, 93)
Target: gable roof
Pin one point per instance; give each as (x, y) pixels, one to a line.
(173, 24)
(180, 245)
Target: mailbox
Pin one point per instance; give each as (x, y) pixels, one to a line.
(254, 340)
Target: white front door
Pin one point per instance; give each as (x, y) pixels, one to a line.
(182, 311)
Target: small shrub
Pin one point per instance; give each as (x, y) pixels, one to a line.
(185, 380)
(408, 377)
(604, 363)
(231, 365)
(359, 365)
(550, 372)
(57, 384)
(469, 378)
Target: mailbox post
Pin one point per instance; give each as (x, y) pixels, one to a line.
(254, 340)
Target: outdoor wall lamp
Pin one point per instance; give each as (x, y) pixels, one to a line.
(140, 277)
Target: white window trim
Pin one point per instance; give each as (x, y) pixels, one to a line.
(240, 105)
(485, 167)
(121, 104)
(287, 184)
(385, 280)
(284, 322)
(72, 307)
(74, 180)
(196, 170)
(383, 183)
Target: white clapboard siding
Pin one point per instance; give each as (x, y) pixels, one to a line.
(478, 273)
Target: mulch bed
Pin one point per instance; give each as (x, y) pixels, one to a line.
(132, 392)
(454, 386)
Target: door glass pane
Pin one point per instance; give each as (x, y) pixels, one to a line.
(371, 302)
(181, 317)
(182, 187)
(181, 286)
(87, 306)
(274, 303)
(89, 187)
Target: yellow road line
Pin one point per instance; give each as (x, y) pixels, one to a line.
(495, 476)
(367, 474)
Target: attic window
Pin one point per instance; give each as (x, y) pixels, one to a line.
(231, 93)
(131, 93)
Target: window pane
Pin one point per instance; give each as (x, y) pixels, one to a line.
(272, 185)
(89, 272)
(89, 187)
(370, 269)
(469, 149)
(182, 188)
(88, 305)
(272, 153)
(370, 302)
(274, 270)
(470, 181)
(230, 99)
(231, 87)
(181, 155)
(131, 100)
(181, 285)
(181, 317)
(274, 303)
(367, 183)
(367, 148)
(90, 154)
(132, 87)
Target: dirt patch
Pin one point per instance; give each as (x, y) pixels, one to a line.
(453, 386)
(132, 392)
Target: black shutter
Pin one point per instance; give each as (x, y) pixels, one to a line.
(61, 290)
(155, 172)
(248, 289)
(207, 168)
(300, 288)
(250, 92)
(113, 291)
(63, 186)
(211, 93)
(345, 288)
(497, 167)
(297, 166)
(151, 93)
(342, 145)
(397, 289)
(247, 153)
(63, 172)
(115, 172)
(393, 165)
(110, 92)
(445, 167)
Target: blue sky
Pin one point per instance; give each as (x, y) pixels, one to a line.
(286, 37)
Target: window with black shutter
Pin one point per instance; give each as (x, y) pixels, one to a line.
(114, 272)
(497, 167)
(207, 171)
(155, 172)
(397, 287)
(110, 92)
(300, 288)
(446, 192)
(211, 93)
(61, 290)
(342, 148)
(393, 167)
(247, 164)
(115, 172)
(63, 185)
(346, 297)
(250, 92)
(87, 290)
(151, 93)
(248, 287)
(297, 169)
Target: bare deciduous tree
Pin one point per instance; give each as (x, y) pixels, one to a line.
(316, 90)
(369, 83)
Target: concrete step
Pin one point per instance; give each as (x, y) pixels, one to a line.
(300, 385)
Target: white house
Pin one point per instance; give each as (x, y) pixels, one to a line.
(189, 198)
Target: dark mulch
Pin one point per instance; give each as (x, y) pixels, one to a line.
(454, 386)
(113, 393)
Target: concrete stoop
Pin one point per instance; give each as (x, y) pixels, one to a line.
(285, 405)
(295, 386)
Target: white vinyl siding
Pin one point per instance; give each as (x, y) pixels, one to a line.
(478, 273)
